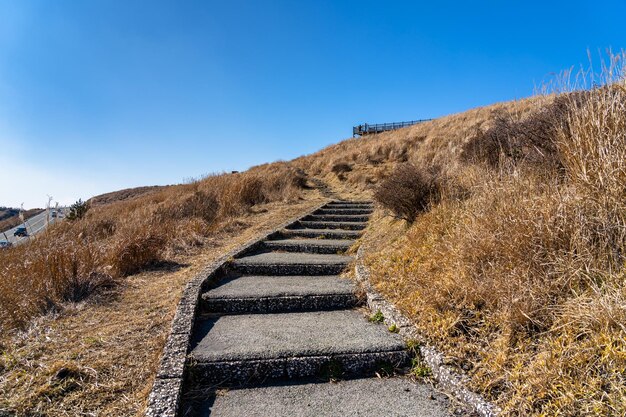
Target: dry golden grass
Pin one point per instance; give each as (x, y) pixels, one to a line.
(99, 357)
(73, 259)
(518, 272)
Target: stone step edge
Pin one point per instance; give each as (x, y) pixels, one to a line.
(322, 211)
(247, 371)
(307, 247)
(280, 304)
(288, 269)
(322, 233)
(332, 225)
(165, 396)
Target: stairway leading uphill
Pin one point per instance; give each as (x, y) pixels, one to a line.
(282, 333)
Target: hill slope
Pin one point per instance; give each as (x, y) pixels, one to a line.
(509, 257)
(511, 254)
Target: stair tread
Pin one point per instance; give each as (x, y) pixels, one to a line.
(397, 396)
(288, 335)
(321, 232)
(343, 243)
(260, 286)
(291, 258)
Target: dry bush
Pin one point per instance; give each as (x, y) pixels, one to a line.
(341, 168)
(72, 260)
(408, 191)
(513, 137)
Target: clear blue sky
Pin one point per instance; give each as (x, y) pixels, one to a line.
(101, 95)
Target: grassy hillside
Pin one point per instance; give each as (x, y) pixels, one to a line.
(74, 259)
(500, 231)
(85, 307)
(121, 195)
(510, 256)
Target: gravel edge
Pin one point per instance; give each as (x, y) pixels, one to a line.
(165, 396)
(447, 378)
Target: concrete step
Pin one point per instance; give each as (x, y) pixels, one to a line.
(272, 294)
(247, 348)
(321, 233)
(324, 210)
(329, 225)
(349, 206)
(337, 217)
(398, 397)
(278, 263)
(309, 245)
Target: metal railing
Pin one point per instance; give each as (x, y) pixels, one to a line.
(369, 129)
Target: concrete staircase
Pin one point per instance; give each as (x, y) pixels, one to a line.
(282, 323)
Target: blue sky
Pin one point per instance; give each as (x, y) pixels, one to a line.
(97, 96)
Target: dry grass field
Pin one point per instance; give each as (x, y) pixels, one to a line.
(500, 231)
(86, 306)
(512, 260)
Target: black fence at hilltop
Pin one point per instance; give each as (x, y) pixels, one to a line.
(370, 129)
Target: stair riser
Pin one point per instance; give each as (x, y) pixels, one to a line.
(336, 218)
(303, 269)
(314, 234)
(280, 304)
(346, 208)
(333, 205)
(306, 248)
(330, 225)
(255, 371)
(323, 211)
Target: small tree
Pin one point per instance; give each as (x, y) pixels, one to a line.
(78, 210)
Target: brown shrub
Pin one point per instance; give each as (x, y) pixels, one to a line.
(512, 137)
(341, 168)
(408, 191)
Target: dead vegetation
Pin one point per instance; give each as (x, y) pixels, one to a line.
(408, 191)
(99, 356)
(513, 264)
(518, 270)
(73, 259)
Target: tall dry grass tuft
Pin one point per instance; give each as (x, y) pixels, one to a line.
(72, 260)
(522, 279)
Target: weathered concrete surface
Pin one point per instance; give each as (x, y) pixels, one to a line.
(331, 225)
(373, 397)
(323, 233)
(278, 258)
(289, 335)
(333, 210)
(338, 217)
(262, 286)
(164, 398)
(280, 263)
(272, 294)
(310, 245)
